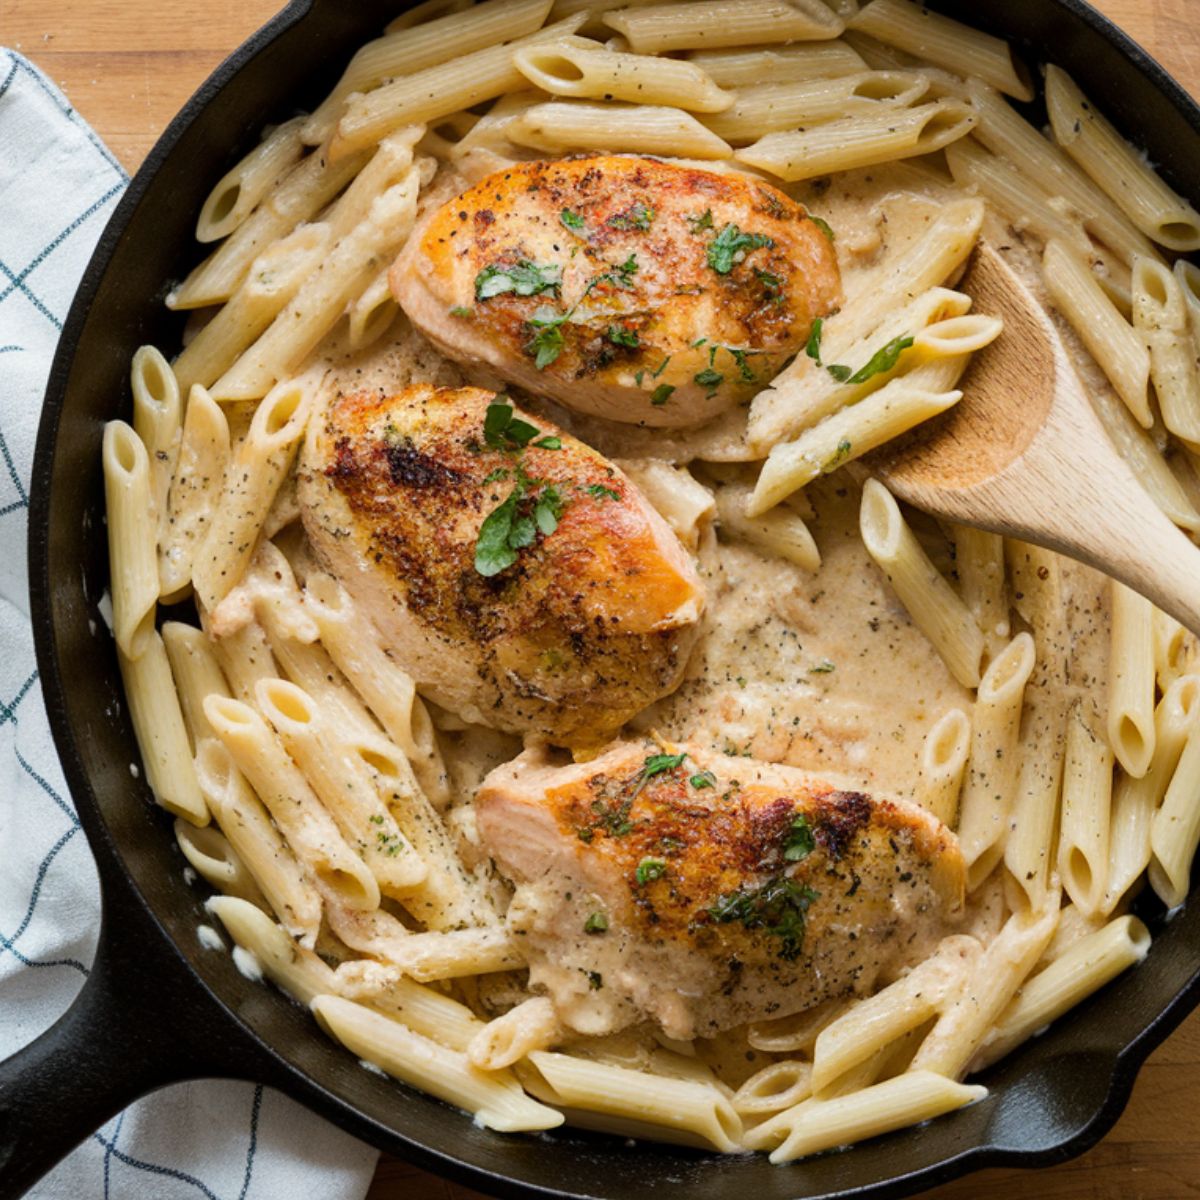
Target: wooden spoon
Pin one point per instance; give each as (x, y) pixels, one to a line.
(1024, 454)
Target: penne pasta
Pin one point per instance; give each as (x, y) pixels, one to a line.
(216, 862)
(1086, 813)
(158, 421)
(979, 564)
(1131, 686)
(752, 65)
(713, 24)
(1175, 832)
(197, 675)
(943, 763)
(779, 531)
(1160, 316)
(532, 1025)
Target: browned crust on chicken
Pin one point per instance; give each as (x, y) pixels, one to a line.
(751, 890)
(656, 332)
(591, 623)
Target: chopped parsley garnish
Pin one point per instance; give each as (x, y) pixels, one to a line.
(549, 443)
(502, 430)
(823, 226)
(638, 376)
(620, 276)
(497, 545)
(779, 907)
(523, 277)
(772, 284)
(572, 220)
(600, 492)
(662, 366)
(836, 459)
(799, 842)
(637, 216)
(619, 336)
(614, 821)
(731, 245)
(460, 310)
(739, 358)
(702, 222)
(548, 510)
(824, 667)
(839, 372)
(813, 348)
(389, 843)
(661, 394)
(884, 359)
(703, 779)
(597, 922)
(650, 869)
(547, 341)
(710, 380)
(657, 764)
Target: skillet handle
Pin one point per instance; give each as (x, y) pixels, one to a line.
(135, 1027)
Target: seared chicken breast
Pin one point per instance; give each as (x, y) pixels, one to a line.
(517, 575)
(624, 287)
(702, 891)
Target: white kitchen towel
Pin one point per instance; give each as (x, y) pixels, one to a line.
(214, 1139)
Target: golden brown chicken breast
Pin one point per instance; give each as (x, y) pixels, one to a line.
(519, 577)
(623, 287)
(703, 891)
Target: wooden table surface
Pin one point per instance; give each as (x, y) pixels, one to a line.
(129, 65)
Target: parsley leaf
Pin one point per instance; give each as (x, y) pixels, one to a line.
(702, 222)
(709, 379)
(703, 779)
(524, 278)
(650, 869)
(835, 460)
(823, 226)
(772, 284)
(661, 394)
(572, 220)
(839, 372)
(731, 245)
(778, 907)
(597, 922)
(460, 310)
(657, 764)
(547, 341)
(600, 492)
(620, 336)
(662, 366)
(799, 842)
(813, 348)
(493, 553)
(884, 359)
(549, 443)
(637, 216)
(548, 510)
(504, 431)
(739, 358)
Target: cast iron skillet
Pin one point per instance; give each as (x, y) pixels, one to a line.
(159, 1008)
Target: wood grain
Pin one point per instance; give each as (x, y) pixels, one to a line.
(129, 65)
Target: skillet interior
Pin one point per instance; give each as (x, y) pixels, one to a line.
(1051, 1100)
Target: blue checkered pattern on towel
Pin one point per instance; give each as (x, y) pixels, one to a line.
(216, 1140)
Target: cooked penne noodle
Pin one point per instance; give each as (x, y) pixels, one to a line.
(197, 675)
(308, 828)
(778, 531)
(931, 602)
(254, 475)
(943, 762)
(875, 1023)
(1110, 339)
(132, 542)
(426, 96)
(992, 772)
(1176, 829)
(426, 957)
(1042, 165)
(751, 65)
(979, 563)
(162, 737)
(1174, 650)
(846, 435)
(770, 107)
(495, 1098)
(1016, 198)
(713, 24)
(816, 1125)
(678, 1110)
(295, 969)
(418, 47)
(860, 141)
(798, 1033)
(945, 43)
(212, 857)
(1086, 813)
(372, 314)
(773, 1088)
(427, 10)
(1188, 275)
(1160, 316)
(532, 1025)
(298, 197)
(1160, 213)
(986, 992)
(158, 421)
(199, 478)
(805, 394)
(649, 129)
(684, 503)
(277, 873)
(245, 657)
(322, 298)
(274, 278)
(1088, 965)
(239, 191)
(579, 68)
(1132, 680)
(1135, 801)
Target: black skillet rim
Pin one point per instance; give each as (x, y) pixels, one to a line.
(1127, 1061)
